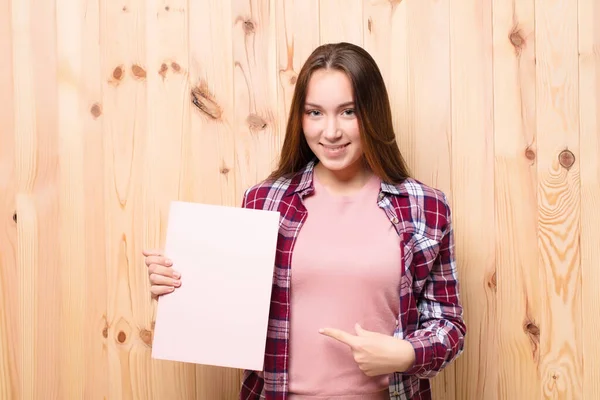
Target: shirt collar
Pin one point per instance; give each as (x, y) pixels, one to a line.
(302, 183)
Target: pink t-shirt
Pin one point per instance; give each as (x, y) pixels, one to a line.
(345, 269)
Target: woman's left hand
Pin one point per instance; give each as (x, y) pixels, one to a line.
(375, 353)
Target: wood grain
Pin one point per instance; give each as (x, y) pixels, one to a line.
(341, 21)
(94, 263)
(294, 45)
(257, 136)
(385, 19)
(124, 100)
(36, 173)
(210, 178)
(589, 136)
(71, 211)
(557, 101)
(472, 194)
(518, 288)
(10, 339)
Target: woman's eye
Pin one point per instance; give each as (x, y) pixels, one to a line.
(349, 112)
(313, 113)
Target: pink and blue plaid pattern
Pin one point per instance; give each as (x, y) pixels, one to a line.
(431, 312)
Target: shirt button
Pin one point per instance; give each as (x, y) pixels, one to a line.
(396, 393)
(395, 220)
(396, 322)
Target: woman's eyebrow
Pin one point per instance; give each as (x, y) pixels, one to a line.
(346, 104)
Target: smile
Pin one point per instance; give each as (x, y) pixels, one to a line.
(333, 148)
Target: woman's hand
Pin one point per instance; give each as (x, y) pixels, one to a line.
(163, 278)
(375, 353)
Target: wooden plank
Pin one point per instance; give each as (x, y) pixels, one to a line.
(559, 196)
(384, 20)
(166, 77)
(95, 328)
(210, 178)
(340, 21)
(472, 193)
(10, 339)
(124, 101)
(294, 44)
(71, 252)
(589, 117)
(257, 140)
(519, 306)
(36, 158)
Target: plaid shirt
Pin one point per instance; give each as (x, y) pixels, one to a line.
(430, 310)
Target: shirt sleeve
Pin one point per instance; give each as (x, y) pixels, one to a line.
(440, 337)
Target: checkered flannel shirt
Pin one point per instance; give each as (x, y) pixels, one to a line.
(431, 315)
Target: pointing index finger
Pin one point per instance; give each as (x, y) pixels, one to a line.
(339, 335)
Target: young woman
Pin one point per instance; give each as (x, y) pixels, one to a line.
(365, 300)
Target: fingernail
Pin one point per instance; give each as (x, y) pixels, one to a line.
(169, 262)
(177, 275)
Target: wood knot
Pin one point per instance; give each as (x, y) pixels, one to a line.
(105, 329)
(118, 73)
(138, 71)
(529, 154)
(125, 9)
(167, 8)
(163, 70)
(531, 329)
(516, 39)
(15, 217)
(256, 122)
(492, 284)
(146, 337)
(206, 102)
(121, 337)
(566, 159)
(293, 80)
(176, 67)
(369, 24)
(224, 170)
(248, 27)
(96, 110)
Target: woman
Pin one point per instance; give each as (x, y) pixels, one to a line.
(365, 302)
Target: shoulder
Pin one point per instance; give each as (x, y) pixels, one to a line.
(267, 194)
(429, 207)
(270, 193)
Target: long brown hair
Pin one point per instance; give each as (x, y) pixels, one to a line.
(373, 110)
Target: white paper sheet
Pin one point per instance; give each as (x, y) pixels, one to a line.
(219, 315)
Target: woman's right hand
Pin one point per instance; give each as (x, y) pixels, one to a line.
(163, 278)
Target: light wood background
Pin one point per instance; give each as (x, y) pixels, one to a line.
(111, 109)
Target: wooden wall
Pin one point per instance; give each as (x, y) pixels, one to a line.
(111, 109)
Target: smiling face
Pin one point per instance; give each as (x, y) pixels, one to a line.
(350, 141)
(330, 123)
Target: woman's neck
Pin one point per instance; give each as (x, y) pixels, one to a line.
(344, 182)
